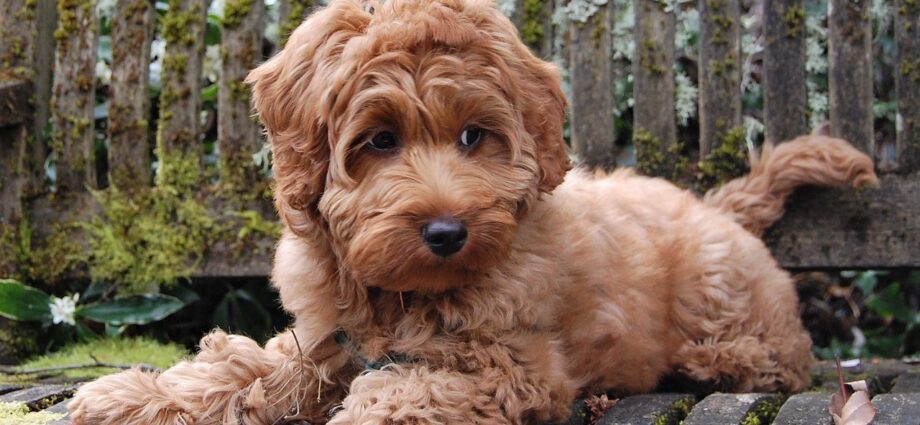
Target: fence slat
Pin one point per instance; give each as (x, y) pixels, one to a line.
(655, 125)
(592, 95)
(720, 72)
(785, 92)
(46, 18)
(132, 33)
(907, 84)
(850, 73)
(74, 97)
(290, 14)
(533, 20)
(178, 145)
(237, 131)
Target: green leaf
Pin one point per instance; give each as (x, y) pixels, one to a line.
(132, 310)
(889, 303)
(21, 302)
(866, 282)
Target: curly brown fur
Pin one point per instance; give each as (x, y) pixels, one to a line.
(597, 282)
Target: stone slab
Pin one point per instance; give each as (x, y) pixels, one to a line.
(649, 409)
(727, 409)
(897, 409)
(907, 383)
(805, 409)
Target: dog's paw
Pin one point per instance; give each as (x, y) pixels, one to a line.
(128, 398)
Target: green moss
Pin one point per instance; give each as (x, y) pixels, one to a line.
(764, 413)
(19, 414)
(532, 27)
(678, 411)
(121, 351)
(649, 156)
(726, 161)
(180, 26)
(294, 17)
(150, 237)
(235, 11)
(794, 18)
(73, 15)
(55, 256)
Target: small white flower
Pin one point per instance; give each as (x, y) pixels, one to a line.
(63, 309)
(103, 72)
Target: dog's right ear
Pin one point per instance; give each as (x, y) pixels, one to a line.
(289, 92)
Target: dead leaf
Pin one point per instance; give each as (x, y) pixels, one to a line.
(598, 406)
(852, 404)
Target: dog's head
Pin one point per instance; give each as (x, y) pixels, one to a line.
(414, 133)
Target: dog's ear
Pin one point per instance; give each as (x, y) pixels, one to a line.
(289, 92)
(544, 109)
(545, 119)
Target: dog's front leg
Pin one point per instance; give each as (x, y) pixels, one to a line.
(231, 381)
(518, 381)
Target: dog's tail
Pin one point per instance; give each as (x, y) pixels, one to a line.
(757, 200)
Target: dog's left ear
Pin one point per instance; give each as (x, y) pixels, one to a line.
(545, 119)
(544, 106)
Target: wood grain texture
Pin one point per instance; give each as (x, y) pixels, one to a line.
(907, 84)
(237, 131)
(593, 133)
(178, 135)
(785, 92)
(74, 97)
(850, 74)
(129, 105)
(827, 228)
(654, 119)
(720, 71)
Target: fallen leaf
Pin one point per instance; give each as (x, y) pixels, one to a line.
(598, 406)
(852, 404)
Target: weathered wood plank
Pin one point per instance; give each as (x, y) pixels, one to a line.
(46, 18)
(237, 132)
(129, 105)
(178, 135)
(40, 397)
(15, 108)
(907, 84)
(729, 409)
(74, 96)
(290, 14)
(533, 19)
(850, 73)
(658, 409)
(827, 228)
(805, 409)
(655, 121)
(785, 93)
(593, 133)
(720, 72)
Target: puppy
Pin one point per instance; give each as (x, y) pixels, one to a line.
(444, 267)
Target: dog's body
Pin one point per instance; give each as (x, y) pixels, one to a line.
(418, 149)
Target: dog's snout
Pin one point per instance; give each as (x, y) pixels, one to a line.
(445, 236)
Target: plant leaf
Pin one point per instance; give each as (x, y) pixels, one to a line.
(21, 302)
(132, 310)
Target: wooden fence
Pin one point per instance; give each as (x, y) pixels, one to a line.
(823, 229)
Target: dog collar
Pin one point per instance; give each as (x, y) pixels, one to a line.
(341, 338)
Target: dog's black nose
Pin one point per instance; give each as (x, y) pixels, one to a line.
(445, 236)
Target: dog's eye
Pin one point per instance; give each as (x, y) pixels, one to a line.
(384, 141)
(470, 137)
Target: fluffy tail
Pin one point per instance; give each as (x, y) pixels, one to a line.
(757, 200)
